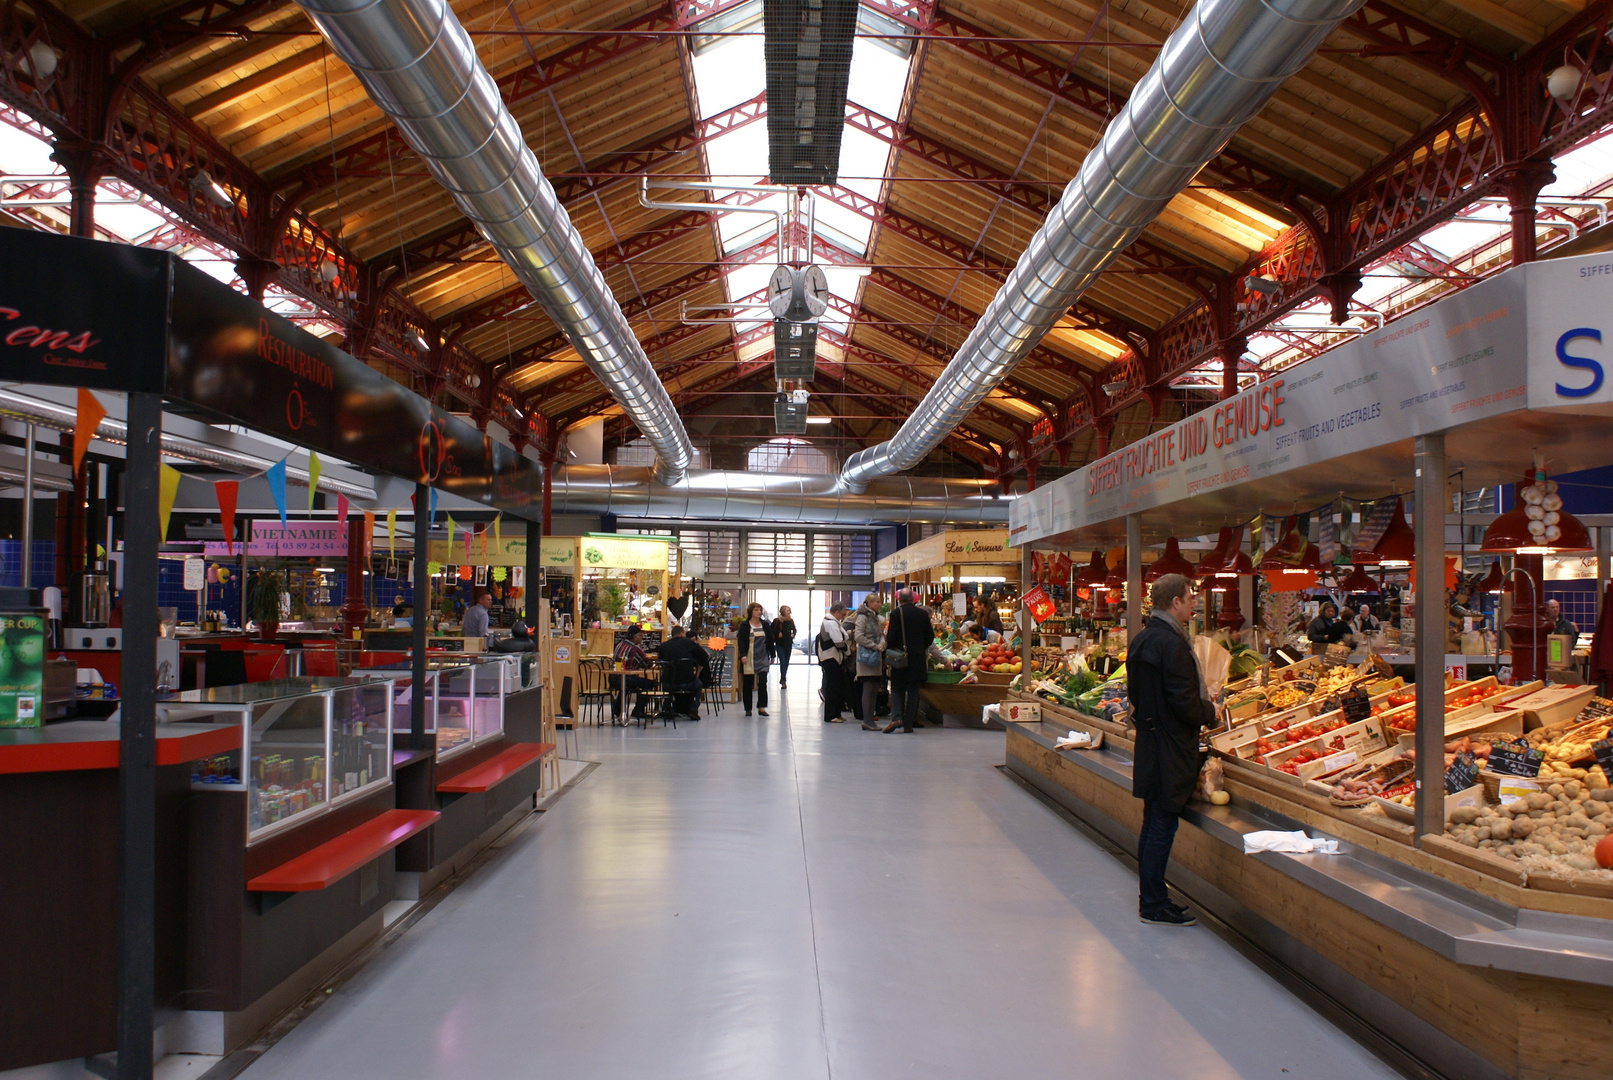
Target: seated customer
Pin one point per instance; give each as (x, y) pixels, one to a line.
(631, 656)
(682, 661)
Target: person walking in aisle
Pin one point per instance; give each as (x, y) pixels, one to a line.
(783, 643)
(1169, 708)
(755, 657)
(831, 642)
(868, 638)
(911, 633)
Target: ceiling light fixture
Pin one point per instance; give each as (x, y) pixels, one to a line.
(820, 420)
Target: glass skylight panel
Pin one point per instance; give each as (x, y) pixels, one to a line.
(729, 70)
(1585, 169)
(878, 73)
(21, 154)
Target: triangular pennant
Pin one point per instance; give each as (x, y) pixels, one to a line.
(468, 534)
(276, 476)
(431, 507)
(481, 531)
(167, 488)
(341, 512)
(369, 531)
(392, 533)
(226, 491)
(498, 540)
(452, 526)
(314, 469)
(90, 414)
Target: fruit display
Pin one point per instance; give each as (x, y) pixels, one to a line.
(1285, 697)
(997, 658)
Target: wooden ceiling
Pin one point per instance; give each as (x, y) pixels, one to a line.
(1005, 99)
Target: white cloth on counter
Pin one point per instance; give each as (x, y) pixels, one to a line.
(1292, 843)
(1075, 740)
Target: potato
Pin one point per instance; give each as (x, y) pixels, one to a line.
(1481, 832)
(1469, 840)
(1465, 815)
(1572, 788)
(1579, 821)
(1523, 826)
(1501, 830)
(1538, 800)
(1603, 794)
(1596, 780)
(1554, 789)
(1556, 847)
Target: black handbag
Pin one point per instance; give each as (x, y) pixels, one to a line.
(896, 658)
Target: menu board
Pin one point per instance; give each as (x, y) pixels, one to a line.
(1462, 774)
(1515, 759)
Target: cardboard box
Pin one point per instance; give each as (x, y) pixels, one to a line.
(1020, 712)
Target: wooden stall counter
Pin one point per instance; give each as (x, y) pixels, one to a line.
(1437, 957)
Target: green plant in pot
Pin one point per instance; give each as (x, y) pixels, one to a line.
(264, 601)
(612, 600)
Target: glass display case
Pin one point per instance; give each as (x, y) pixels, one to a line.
(464, 699)
(307, 744)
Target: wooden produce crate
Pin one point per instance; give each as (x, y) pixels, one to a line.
(1470, 721)
(1239, 742)
(1473, 796)
(1361, 739)
(1552, 705)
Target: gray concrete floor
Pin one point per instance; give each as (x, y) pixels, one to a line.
(779, 898)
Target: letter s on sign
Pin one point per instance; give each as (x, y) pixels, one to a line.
(1580, 362)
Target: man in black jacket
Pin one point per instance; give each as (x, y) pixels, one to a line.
(1169, 709)
(682, 659)
(910, 631)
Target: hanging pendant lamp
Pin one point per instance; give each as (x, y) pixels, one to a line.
(1172, 562)
(1491, 582)
(1396, 548)
(1359, 581)
(1537, 524)
(1218, 557)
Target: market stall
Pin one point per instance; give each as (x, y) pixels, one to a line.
(1466, 809)
(290, 852)
(952, 572)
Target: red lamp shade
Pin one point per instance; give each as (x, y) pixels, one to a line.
(1285, 553)
(1115, 581)
(1398, 544)
(1235, 562)
(1359, 581)
(1491, 582)
(1558, 531)
(1172, 562)
(1213, 562)
(1093, 576)
(1311, 559)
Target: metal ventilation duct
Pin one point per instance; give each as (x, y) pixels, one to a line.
(769, 498)
(419, 66)
(1213, 75)
(808, 52)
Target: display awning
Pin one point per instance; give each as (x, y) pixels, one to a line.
(971, 547)
(1504, 368)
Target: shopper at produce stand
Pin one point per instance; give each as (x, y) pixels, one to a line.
(1169, 708)
(910, 631)
(868, 639)
(755, 657)
(1561, 624)
(832, 645)
(1366, 622)
(783, 644)
(1327, 628)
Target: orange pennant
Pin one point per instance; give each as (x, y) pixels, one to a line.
(226, 491)
(90, 414)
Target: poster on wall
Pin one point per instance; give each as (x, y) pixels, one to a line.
(22, 670)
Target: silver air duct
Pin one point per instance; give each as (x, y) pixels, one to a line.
(419, 66)
(1213, 75)
(772, 499)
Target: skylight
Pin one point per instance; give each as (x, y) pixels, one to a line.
(731, 70)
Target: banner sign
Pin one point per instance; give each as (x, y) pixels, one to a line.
(1039, 604)
(293, 540)
(82, 313)
(1454, 362)
(624, 553)
(235, 358)
(508, 551)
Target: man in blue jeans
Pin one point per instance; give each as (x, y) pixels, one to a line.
(1169, 710)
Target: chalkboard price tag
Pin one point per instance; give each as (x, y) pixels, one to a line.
(1357, 706)
(1463, 773)
(1603, 749)
(1515, 759)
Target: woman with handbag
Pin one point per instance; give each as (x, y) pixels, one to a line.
(868, 637)
(755, 657)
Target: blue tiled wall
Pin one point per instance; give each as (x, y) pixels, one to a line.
(11, 562)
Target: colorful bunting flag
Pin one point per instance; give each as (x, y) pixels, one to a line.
(452, 525)
(276, 476)
(225, 491)
(314, 469)
(167, 488)
(369, 531)
(392, 533)
(341, 513)
(90, 414)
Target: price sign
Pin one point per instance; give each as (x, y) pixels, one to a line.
(1463, 773)
(1039, 604)
(1357, 706)
(1603, 749)
(1515, 759)
(1457, 671)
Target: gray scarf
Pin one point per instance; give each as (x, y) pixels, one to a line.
(1170, 620)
